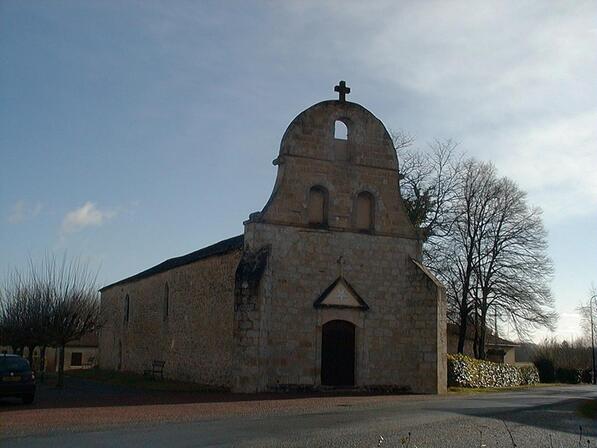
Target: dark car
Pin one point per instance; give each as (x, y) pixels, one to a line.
(16, 378)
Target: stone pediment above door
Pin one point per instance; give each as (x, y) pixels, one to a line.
(340, 295)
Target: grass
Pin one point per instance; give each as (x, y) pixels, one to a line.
(135, 380)
(588, 409)
(477, 390)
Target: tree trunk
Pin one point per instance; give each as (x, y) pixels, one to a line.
(60, 382)
(463, 317)
(42, 364)
(482, 336)
(462, 333)
(30, 355)
(476, 335)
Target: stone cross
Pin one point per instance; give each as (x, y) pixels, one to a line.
(342, 90)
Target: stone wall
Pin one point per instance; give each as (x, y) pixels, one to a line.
(400, 340)
(310, 156)
(249, 322)
(195, 340)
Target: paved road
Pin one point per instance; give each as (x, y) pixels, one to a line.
(543, 417)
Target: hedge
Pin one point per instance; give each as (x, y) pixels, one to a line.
(550, 374)
(464, 371)
(547, 370)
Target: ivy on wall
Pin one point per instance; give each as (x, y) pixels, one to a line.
(464, 371)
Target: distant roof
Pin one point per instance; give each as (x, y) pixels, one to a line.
(215, 249)
(490, 339)
(87, 340)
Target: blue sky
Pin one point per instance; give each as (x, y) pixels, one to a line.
(131, 132)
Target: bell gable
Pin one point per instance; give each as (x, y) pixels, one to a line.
(341, 182)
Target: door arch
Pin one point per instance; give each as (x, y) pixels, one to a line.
(337, 353)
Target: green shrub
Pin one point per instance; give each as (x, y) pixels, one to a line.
(530, 375)
(464, 371)
(570, 376)
(586, 376)
(547, 371)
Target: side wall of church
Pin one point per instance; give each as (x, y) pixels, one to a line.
(400, 340)
(194, 339)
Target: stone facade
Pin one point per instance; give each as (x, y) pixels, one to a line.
(251, 320)
(194, 337)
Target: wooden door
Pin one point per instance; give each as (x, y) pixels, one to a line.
(337, 353)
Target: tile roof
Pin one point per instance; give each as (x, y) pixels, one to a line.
(219, 248)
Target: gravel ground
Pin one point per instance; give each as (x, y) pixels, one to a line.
(84, 405)
(124, 417)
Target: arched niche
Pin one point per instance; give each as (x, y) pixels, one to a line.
(317, 206)
(365, 212)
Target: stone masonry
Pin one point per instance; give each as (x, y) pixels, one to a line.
(194, 339)
(246, 316)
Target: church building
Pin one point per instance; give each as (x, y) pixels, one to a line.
(325, 287)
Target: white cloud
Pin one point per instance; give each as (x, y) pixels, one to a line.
(88, 215)
(485, 52)
(17, 214)
(554, 161)
(513, 83)
(22, 212)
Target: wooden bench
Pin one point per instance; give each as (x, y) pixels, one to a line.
(157, 368)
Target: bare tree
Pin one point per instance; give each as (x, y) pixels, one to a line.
(428, 182)
(23, 314)
(435, 186)
(49, 304)
(512, 269)
(13, 328)
(72, 291)
(480, 238)
(588, 313)
(470, 225)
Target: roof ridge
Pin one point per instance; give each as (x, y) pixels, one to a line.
(219, 248)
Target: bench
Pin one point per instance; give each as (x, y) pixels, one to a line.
(157, 368)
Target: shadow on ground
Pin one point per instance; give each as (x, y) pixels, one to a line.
(562, 416)
(86, 393)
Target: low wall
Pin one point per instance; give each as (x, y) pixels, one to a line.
(464, 371)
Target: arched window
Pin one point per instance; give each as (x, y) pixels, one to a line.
(317, 208)
(127, 307)
(365, 211)
(166, 303)
(340, 130)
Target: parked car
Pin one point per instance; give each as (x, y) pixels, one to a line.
(17, 379)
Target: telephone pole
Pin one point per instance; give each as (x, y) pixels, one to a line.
(592, 335)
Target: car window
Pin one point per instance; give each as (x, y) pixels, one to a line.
(13, 364)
